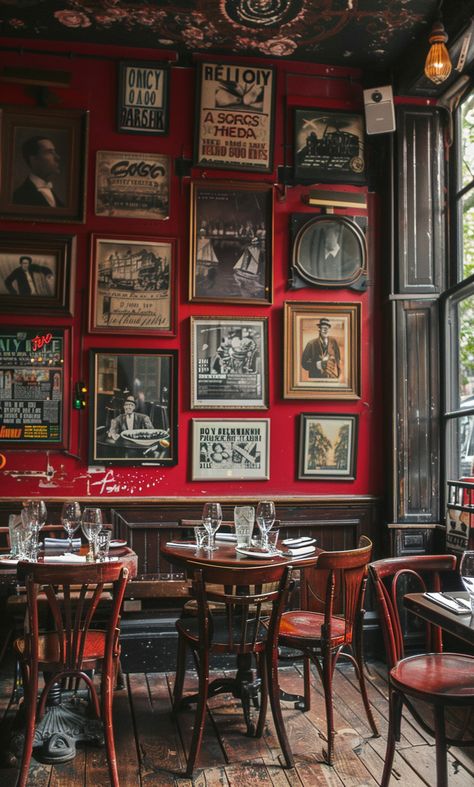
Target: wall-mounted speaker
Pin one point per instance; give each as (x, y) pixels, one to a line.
(379, 110)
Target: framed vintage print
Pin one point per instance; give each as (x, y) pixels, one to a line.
(37, 273)
(35, 387)
(133, 413)
(142, 98)
(235, 117)
(133, 285)
(43, 163)
(132, 185)
(321, 350)
(327, 446)
(229, 363)
(231, 243)
(328, 251)
(328, 146)
(225, 449)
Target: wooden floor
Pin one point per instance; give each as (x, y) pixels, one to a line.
(150, 743)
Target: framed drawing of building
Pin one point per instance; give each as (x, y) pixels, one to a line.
(328, 146)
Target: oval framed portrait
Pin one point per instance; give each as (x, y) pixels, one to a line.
(330, 251)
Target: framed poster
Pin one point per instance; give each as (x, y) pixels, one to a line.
(321, 350)
(35, 395)
(229, 361)
(231, 449)
(328, 251)
(231, 243)
(37, 273)
(235, 117)
(132, 285)
(327, 446)
(43, 163)
(132, 185)
(133, 414)
(142, 98)
(328, 146)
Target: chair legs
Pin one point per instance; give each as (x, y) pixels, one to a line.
(30, 688)
(441, 758)
(274, 691)
(108, 681)
(200, 715)
(180, 673)
(394, 719)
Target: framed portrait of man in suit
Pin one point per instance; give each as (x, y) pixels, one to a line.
(43, 161)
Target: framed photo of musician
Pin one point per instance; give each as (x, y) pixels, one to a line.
(321, 350)
(328, 146)
(43, 164)
(327, 446)
(231, 243)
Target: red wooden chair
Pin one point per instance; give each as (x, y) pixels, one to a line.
(69, 645)
(330, 620)
(440, 681)
(240, 625)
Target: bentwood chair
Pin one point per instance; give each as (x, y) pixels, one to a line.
(239, 626)
(65, 642)
(432, 684)
(329, 624)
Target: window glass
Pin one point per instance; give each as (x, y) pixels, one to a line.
(467, 153)
(467, 234)
(466, 349)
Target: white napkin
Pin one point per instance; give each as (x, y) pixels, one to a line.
(185, 544)
(225, 537)
(454, 606)
(69, 557)
(299, 551)
(295, 543)
(59, 543)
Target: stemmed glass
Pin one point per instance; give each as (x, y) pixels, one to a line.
(211, 520)
(91, 524)
(466, 570)
(265, 518)
(71, 519)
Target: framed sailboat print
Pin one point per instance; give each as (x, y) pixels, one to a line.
(231, 243)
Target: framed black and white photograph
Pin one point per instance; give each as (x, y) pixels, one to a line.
(133, 413)
(235, 117)
(132, 185)
(225, 449)
(142, 98)
(231, 243)
(229, 363)
(328, 146)
(328, 251)
(43, 163)
(327, 446)
(37, 273)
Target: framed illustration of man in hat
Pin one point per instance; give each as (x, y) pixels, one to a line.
(322, 350)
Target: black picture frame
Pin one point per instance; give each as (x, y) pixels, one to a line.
(149, 379)
(328, 146)
(328, 446)
(143, 98)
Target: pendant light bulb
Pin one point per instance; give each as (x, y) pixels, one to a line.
(438, 63)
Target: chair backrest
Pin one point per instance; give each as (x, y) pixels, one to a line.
(335, 584)
(245, 597)
(392, 579)
(72, 593)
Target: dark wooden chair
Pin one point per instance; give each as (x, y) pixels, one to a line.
(70, 645)
(243, 628)
(439, 681)
(330, 620)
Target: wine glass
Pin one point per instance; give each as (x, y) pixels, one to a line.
(466, 570)
(211, 520)
(91, 524)
(71, 519)
(265, 518)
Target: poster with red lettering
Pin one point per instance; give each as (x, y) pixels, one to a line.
(235, 117)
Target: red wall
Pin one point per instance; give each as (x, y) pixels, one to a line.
(93, 87)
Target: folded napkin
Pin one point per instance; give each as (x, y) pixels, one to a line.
(59, 543)
(458, 607)
(295, 543)
(186, 544)
(299, 551)
(225, 537)
(69, 557)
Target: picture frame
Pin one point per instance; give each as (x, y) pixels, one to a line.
(328, 146)
(132, 185)
(52, 146)
(229, 363)
(235, 117)
(311, 369)
(231, 248)
(37, 273)
(143, 98)
(327, 446)
(225, 450)
(328, 251)
(132, 285)
(133, 412)
(35, 387)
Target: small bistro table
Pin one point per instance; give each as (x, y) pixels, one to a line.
(461, 626)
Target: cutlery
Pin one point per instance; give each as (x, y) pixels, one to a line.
(459, 601)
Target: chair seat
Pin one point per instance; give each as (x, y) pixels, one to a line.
(48, 647)
(446, 678)
(189, 628)
(304, 627)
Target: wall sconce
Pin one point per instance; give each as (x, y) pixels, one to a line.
(438, 63)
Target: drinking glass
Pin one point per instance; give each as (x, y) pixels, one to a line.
(244, 517)
(211, 520)
(102, 544)
(265, 519)
(466, 569)
(71, 519)
(33, 518)
(202, 538)
(91, 524)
